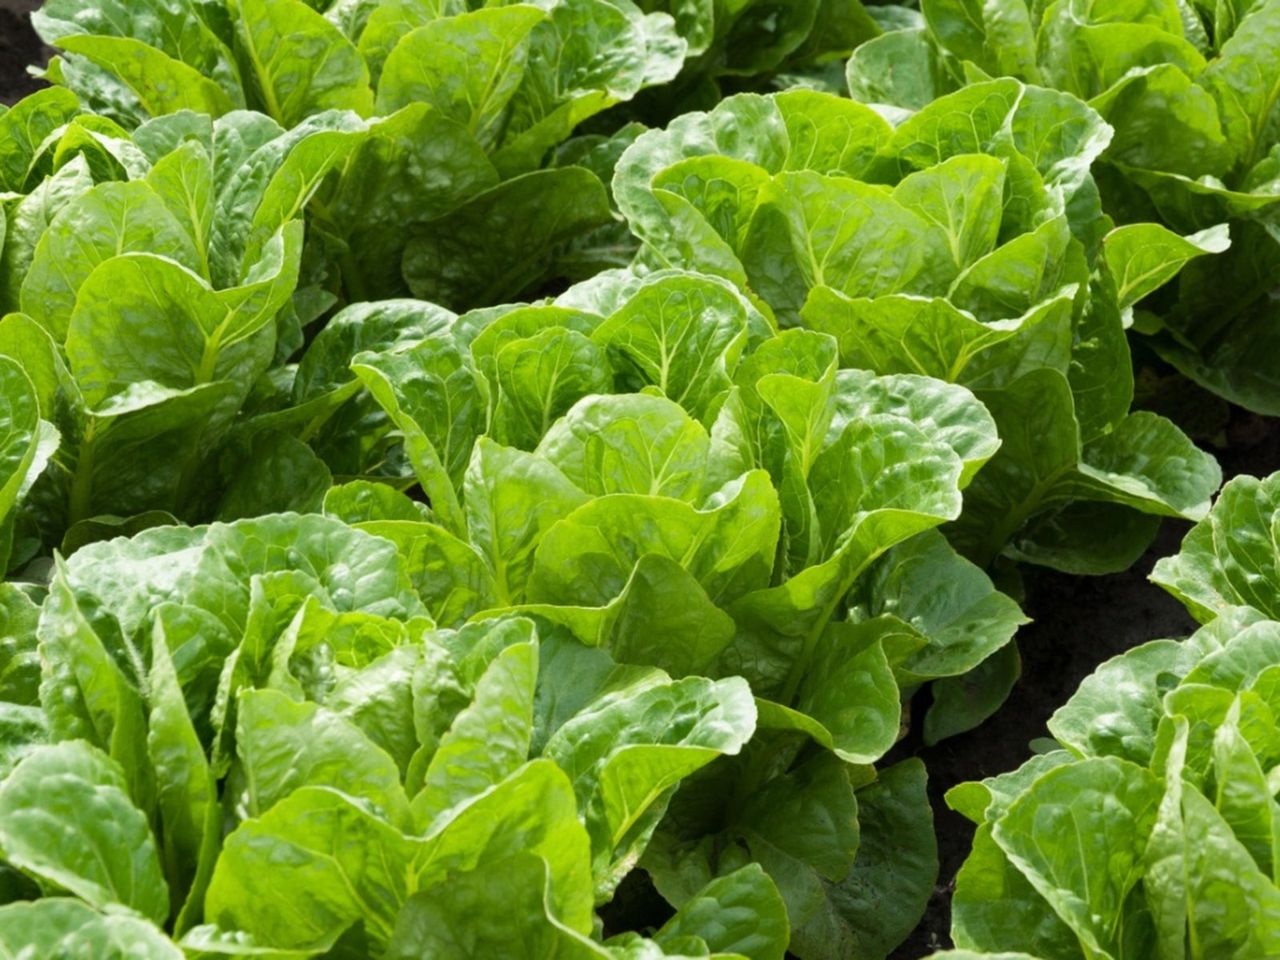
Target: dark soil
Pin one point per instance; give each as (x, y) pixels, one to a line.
(19, 46)
(1078, 622)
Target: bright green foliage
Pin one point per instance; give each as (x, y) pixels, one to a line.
(957, 246)
(1189, 89)
(278, 679)
(429, 495)
(1230, 558)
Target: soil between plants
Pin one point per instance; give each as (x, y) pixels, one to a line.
(1078, 622)
(19, 46)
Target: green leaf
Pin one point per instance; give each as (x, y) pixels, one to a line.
(502, 241)
(19, 434)
(1015, 277)
(186, 790)
(436, 399)
(1165, 121)
(1098, 722)
(540, 378)
(962, 196)
(365, 501)
(1214, 571)
(24, 128)
(1243, 80)
(948, 600)
(377, 696)
(986, 800)
(964, 702)
(274, 473)
(892, 879)
(351, 865)
(1040, 445)
(486, 910)
(757, 39)
(631, 443)
(413, 166)
(898, 68)
(830, 135)
(995, 35)
(904, 333)
(284, 745)
(1057, 132)
(1244, 797)
(449, 574)
(67, 819)
(26, 342)
(1151, 465)
(948, 413)
(810, 230)
(851, 692)
(56, 926)
(1085, 538)
(142, 447)
(662, 617)
(587, 558)
(271, 178)
(1084, 49)
(628, 748)
(390, 20)
(466, 66)
(194, 335)
(183, 180)
(682, 334)
(161, 83)
(691, 135)
(19, 659)
(488, 740)
(512, 499)
(809, 814)
(87, 687)
(28, 219)
(1079, 835)
(173, 27)
(300, 63)
(213, 568)
(531, 811)
(386, 326)
(858, 483)
(584, 57)
(1142, 257)
(1202, 882)
(738, 913)
(995, 908)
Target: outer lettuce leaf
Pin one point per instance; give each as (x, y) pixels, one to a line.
(1215, 571)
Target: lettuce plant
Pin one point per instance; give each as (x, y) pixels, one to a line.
(1188, 89)
(711, 523)
(158, 280)
(966, 244)
(252, 736)
(519, 77)
(1151, 831)
(752, 45)
(452, 116)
